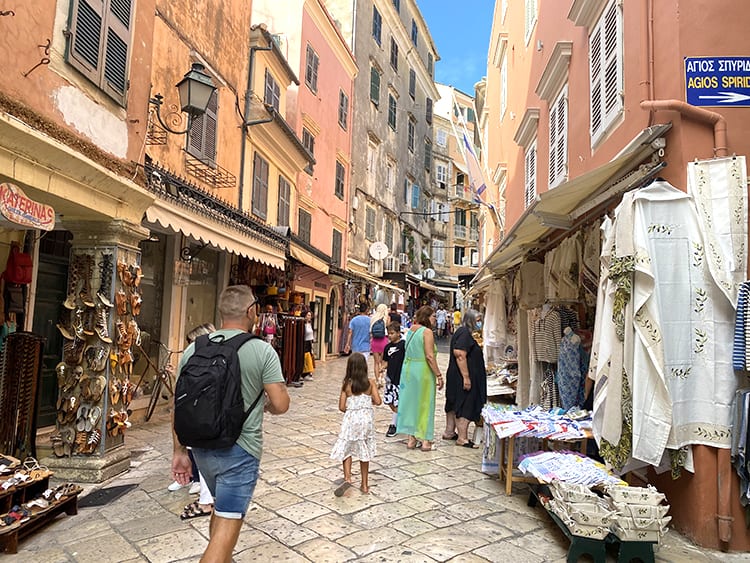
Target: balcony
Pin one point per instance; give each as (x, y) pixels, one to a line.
(474, 234)
(462, 192)
(459, 231)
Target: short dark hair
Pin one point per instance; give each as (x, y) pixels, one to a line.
(363, 307)
(394, 327)
(393, 307)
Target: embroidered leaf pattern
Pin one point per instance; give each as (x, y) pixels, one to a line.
(650, 327)
(701, 296)
(681, 373)
(661, 229)
(711, 434)
(701, 337)
(698, 254)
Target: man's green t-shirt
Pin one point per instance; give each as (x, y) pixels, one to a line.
(259, 365)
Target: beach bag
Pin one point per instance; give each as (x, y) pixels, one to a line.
(209, 409)
(378, 329)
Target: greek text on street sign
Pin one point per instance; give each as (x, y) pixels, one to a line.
(717, 81)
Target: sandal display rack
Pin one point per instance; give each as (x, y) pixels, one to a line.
(20, 372)
(62, 499)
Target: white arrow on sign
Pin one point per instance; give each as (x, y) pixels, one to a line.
(727, 97)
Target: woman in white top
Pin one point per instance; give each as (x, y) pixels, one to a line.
(309, 364)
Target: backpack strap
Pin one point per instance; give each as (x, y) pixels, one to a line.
(236, 342)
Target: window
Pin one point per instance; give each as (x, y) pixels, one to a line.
(428, 111)
(529, 19)
(558, 139)
(389, 235)
(460, 179)
(397, 5)
(392, 111)
(445, 215)
(442, 137)
(470, 116)
(285, 191)
(100, 43)
(377, 24)
(474, 258)
(441, 175)
(308, 141)
(201, 139)
(372, 156)
(343, 109)
(430, 64)
(336, 248)
(414, 196)
(460, 217)
(340, 178)
(390, 176)
(370, 223)
(260, 186)
(304, 224)
(272, 95)
(311, 69)
(529, 175)
(374, 85)
(438, 251)
(412, 83)
(605, 46)
(411, 132)
(458, 255)
(428, 155)
(414, 33)
(394, 54)
(407, 183)
(503, 85)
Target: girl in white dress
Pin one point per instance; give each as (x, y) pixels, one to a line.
(357, 436)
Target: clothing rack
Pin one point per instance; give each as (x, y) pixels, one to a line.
(292, 347)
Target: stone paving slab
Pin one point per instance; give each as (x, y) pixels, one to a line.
(423, 506)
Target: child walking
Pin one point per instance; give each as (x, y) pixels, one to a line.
(357, 436)
(393, 356)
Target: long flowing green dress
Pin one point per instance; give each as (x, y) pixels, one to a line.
(416, 398)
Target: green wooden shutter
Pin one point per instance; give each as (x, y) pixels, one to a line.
(86, 37)
(116, 47)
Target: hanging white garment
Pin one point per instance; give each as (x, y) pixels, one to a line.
(719, 189)
(531, 285)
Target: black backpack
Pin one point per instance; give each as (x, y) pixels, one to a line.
(378, 329)
(209, 410)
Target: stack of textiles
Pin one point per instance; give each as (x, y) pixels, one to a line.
(568, 467)
(536, 422)
(583, 512)
(639, 513)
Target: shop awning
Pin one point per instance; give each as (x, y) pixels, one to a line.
(307, 258)
(428, 285)
(376, 281)
(217, 234)
(560, 207)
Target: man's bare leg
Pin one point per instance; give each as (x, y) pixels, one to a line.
(223, 533)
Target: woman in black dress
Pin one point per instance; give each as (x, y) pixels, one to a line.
(466, 381)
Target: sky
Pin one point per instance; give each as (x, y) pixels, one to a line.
(461, 33)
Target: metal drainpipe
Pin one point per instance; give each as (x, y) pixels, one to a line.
(244, 126)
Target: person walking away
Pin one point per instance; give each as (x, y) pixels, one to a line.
(420, 376)
(393, 357)
(357, 436)
(231, 473)
(393, 315)
(379, 340)
(456, 319)
(441, 315)
(466, 381)
(358, 337)
(308, 366)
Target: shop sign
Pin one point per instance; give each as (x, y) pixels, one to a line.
(717, 81)
(16, 207)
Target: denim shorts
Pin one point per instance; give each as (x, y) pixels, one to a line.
(231, 474)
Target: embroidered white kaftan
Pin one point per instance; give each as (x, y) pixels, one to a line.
(676, 324)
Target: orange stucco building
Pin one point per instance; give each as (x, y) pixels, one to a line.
(584, 100)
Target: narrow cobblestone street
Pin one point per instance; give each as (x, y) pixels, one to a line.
(423, 506)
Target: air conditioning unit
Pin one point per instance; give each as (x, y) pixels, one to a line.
(403, 258)
(375, 267)
(391, 264)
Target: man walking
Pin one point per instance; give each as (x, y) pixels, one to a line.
(231, 473)
(358, 338)
(441, 316)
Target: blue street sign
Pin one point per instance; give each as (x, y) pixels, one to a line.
(717, 81)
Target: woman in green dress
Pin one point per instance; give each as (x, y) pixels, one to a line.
(420, 376)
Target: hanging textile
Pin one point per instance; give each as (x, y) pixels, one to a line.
(531, 285)
(665, 315)
(589, 270)
(571, 370)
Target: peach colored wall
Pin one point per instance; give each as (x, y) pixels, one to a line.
(220, 37)
(36, 22)
(322, 109)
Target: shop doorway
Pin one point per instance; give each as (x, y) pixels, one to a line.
(330, 324)
(318, 325)
(52, 275)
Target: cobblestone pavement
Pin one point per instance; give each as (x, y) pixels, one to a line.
(423, 506)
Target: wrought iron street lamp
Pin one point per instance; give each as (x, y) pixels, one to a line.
(195, 90)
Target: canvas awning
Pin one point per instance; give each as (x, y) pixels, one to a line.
(561, 206)
(217, 234)
(307, 258)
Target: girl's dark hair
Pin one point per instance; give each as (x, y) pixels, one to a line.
(356, 374)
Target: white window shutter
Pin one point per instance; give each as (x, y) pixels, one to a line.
(595, 52)
(606, 53)
(530, 175)
(553, 133)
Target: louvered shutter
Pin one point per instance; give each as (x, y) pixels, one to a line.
(260, 186)
(195, 137)
(210, 123)
(530, 175)
(86, 37)
(612, 67)
(115, 80)
(606, 70)
(595, 50)
(558, 139)
(374, 85)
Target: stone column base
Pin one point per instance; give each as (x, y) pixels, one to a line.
(89, 469)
